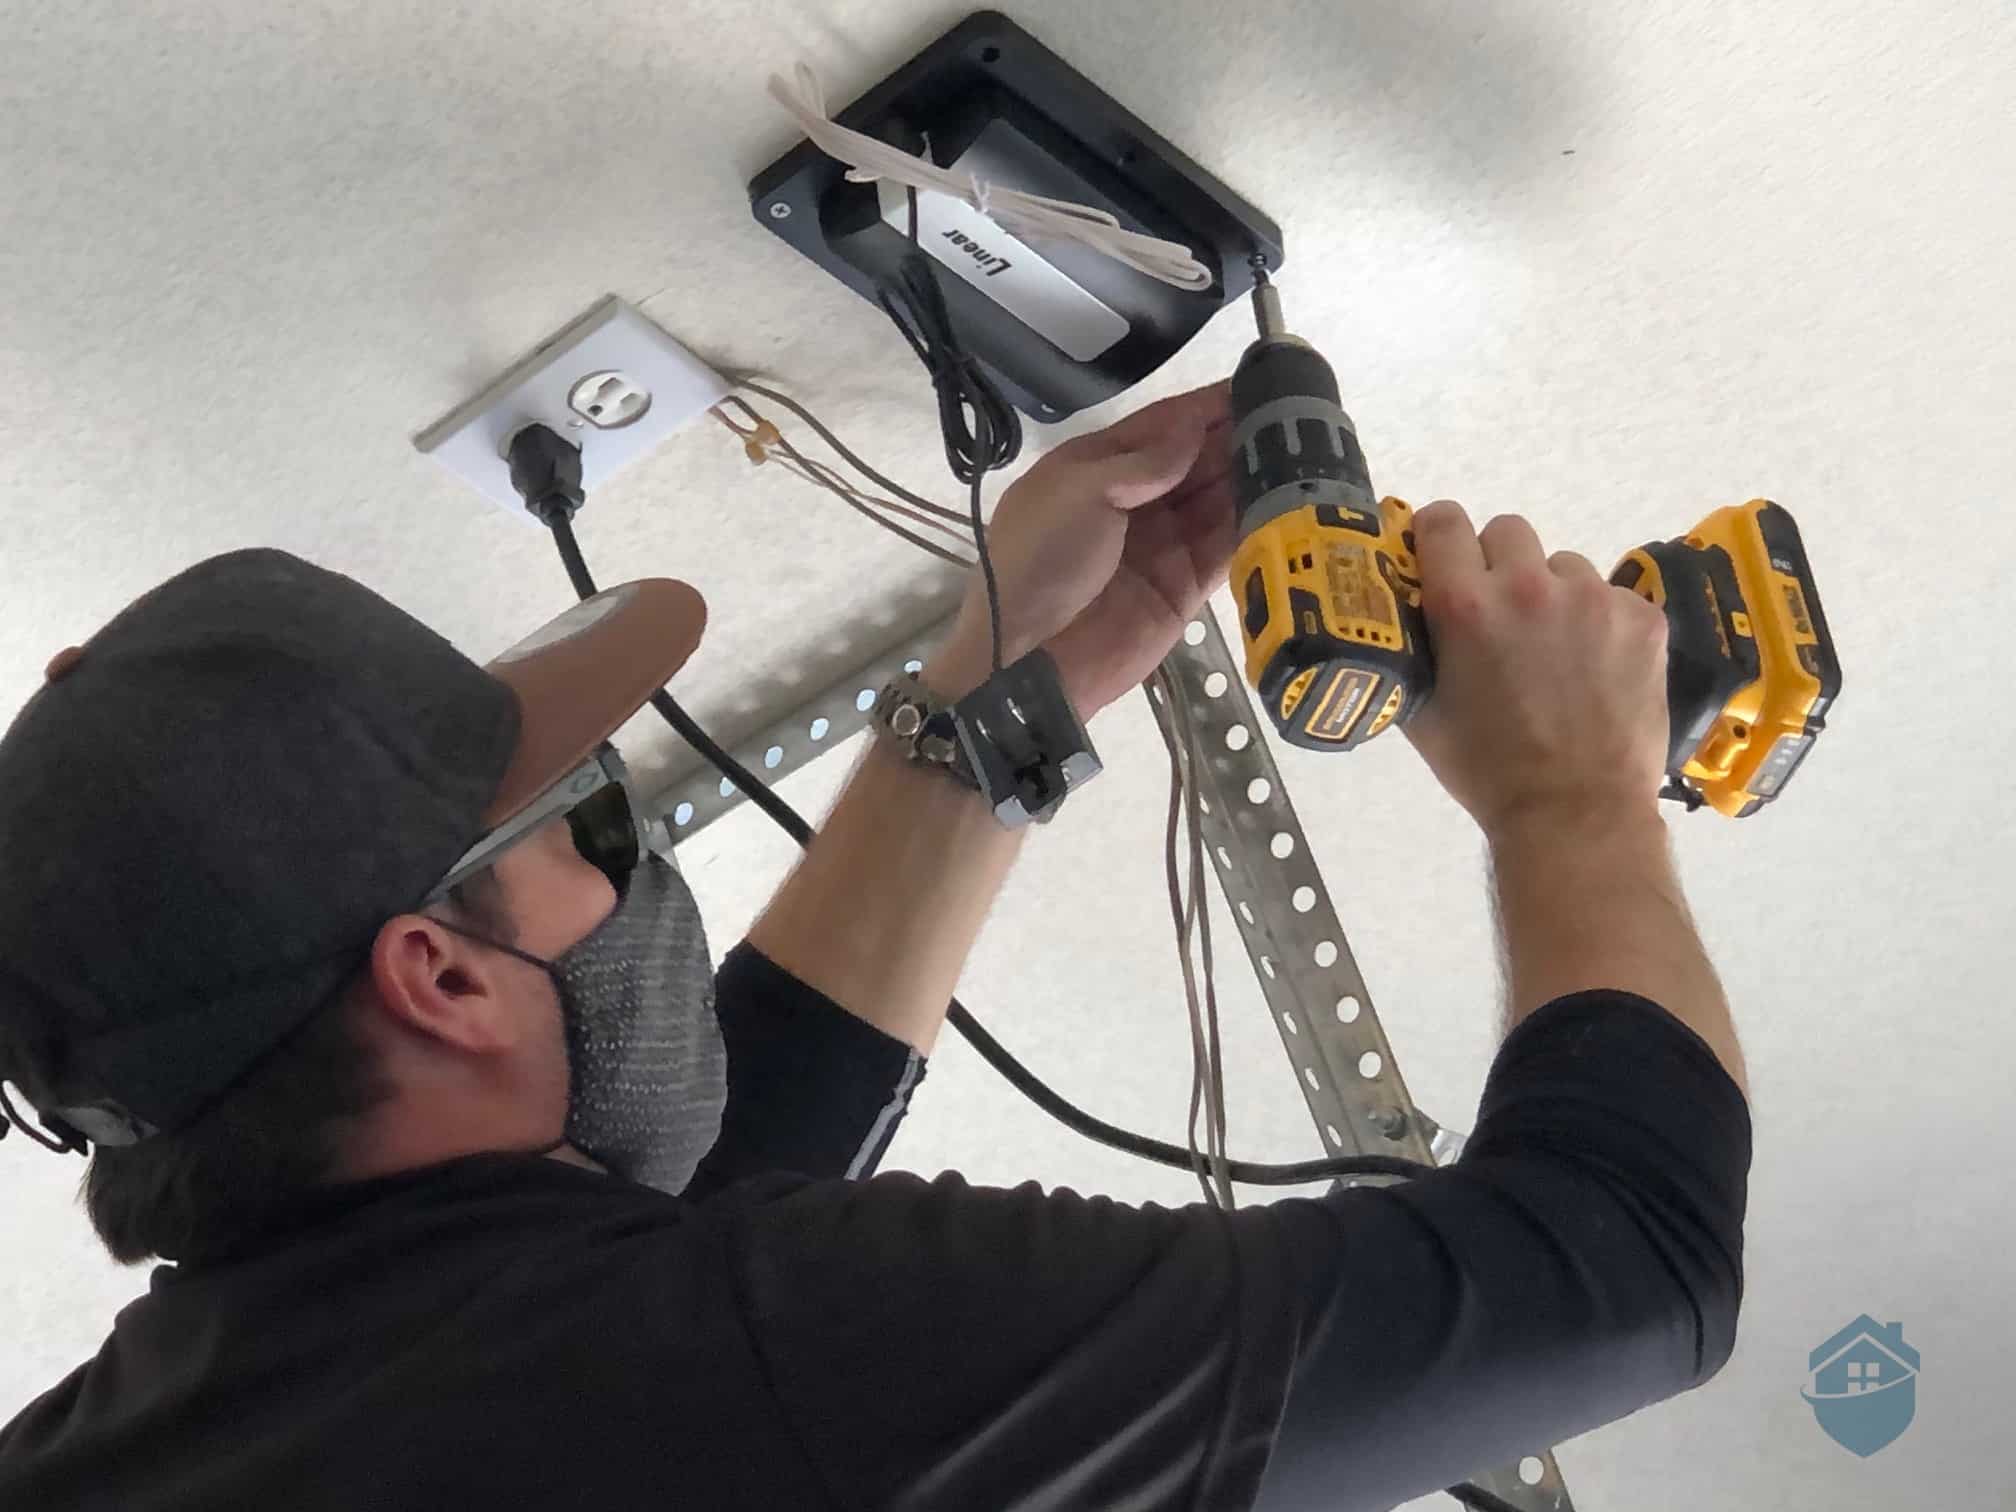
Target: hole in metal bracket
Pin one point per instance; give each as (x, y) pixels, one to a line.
(1258, 790)
(1336, 1139)
(1532, 1469)
(1304, 899)
(683, 814)
(1215, 685)
(1246, 910)
(1288, 1023)
(1267, 965)
(1309, 1075)
(1224, 858)
(1238, 738)
(1325, 953)
(1369, 1064)
(1193, 633)
(865, 700)
(1282, 845)
(773, 758)
(727, 789)
(819, 728)
(1347, 1009)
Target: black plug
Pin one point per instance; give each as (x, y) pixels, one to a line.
(546, 471)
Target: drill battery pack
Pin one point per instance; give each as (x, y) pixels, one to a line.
(1751, 667)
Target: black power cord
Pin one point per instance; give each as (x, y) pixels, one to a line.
(1477, 1499)
(981, 429)
(546, 471)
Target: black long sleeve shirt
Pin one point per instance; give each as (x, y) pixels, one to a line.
(509, 1330)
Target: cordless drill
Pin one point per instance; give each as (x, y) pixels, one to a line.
(1329, 596)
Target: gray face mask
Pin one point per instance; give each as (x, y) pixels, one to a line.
(647, 1071)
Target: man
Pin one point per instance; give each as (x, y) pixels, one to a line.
(422, 1051)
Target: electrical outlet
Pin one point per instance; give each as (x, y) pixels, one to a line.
(611, 382)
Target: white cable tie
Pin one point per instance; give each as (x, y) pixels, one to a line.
(1032, 215)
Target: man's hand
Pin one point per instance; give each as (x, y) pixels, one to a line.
(1550, 684)
(1104, 550)
(1548, 724)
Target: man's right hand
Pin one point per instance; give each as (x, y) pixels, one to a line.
(1550, 684)
(1548, 723)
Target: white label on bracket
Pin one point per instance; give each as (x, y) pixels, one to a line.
(1007, 271)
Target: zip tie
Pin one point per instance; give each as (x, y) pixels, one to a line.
(1034, 216)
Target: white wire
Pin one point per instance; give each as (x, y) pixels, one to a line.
(1035, 216)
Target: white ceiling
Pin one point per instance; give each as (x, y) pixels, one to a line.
(1610, 265)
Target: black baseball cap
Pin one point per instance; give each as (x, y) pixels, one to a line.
(210, 808)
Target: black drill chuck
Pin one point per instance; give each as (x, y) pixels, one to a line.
(1293, 443)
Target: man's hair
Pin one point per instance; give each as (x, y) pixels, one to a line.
(273, 1135)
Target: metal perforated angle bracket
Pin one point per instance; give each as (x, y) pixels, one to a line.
(689, 804)
(1314, 992)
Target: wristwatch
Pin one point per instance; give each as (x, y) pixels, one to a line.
(1015, 739)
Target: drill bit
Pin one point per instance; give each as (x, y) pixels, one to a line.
(1266, 302)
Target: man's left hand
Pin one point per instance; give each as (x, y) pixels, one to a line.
(1104, 550)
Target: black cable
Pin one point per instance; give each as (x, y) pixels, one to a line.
(1079, 1121)
(668, 708)
(989, 1049)
(1477, 1499)
(981, 429)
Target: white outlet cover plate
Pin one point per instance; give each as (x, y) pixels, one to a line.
(611, 337)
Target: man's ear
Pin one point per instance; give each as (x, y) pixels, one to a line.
(446, 987)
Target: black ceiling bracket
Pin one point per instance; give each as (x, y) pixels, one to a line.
(1060, 326)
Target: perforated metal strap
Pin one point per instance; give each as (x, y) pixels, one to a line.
(690, 803)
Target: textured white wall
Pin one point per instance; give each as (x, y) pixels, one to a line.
(1609, 265)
